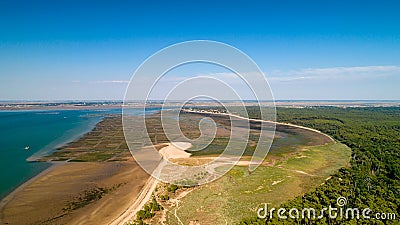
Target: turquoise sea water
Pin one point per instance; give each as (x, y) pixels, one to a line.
(42, 131)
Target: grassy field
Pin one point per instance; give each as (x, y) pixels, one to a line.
(299, 160)
(239, 194)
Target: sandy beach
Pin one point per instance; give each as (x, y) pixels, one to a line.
(176, 150)
(47, 198)
(58, 195)
(109, 192)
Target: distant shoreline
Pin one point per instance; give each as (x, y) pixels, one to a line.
(53, 165)
(58, 169)
(87, 105)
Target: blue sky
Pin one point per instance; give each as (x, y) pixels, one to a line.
(307, 49)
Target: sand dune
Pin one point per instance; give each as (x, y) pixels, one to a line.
(176, 150)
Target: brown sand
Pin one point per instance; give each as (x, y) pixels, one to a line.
(41, 201)
(176, 150)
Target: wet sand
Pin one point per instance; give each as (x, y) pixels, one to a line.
(55, 196)
(86, 192)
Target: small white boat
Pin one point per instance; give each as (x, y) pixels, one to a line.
(27, 148)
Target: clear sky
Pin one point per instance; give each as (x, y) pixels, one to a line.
(68, 50)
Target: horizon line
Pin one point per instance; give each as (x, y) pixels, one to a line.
(180, 100)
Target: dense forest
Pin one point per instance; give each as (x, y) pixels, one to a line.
(372, 181)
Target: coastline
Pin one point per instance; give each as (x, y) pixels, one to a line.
(133, 198)
(53, 164)
(327, 139)
(50, 148)
(133, 204)
(9, 197)
(49, 133)
(259, 120)
(107, 104)
(169, 151)
(70, 136)
(60, 195)
(63, 183)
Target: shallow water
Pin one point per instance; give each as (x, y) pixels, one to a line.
(43, 132)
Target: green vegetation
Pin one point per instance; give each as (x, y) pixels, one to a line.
(287, 139)
(89, 196)
(238, 194)
(164, 197)
(86, 198)
(372, 181)
(172, 188)
(106, 142)
(147, 212)
(140, 222)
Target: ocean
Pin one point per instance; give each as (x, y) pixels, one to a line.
(43, 131)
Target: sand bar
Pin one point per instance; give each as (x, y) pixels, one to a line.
(176, 150)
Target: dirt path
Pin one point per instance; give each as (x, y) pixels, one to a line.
(142, 199)
(146, 193)
(176, 202)
(168, 151)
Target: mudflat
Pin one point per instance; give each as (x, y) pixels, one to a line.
(76, 193)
